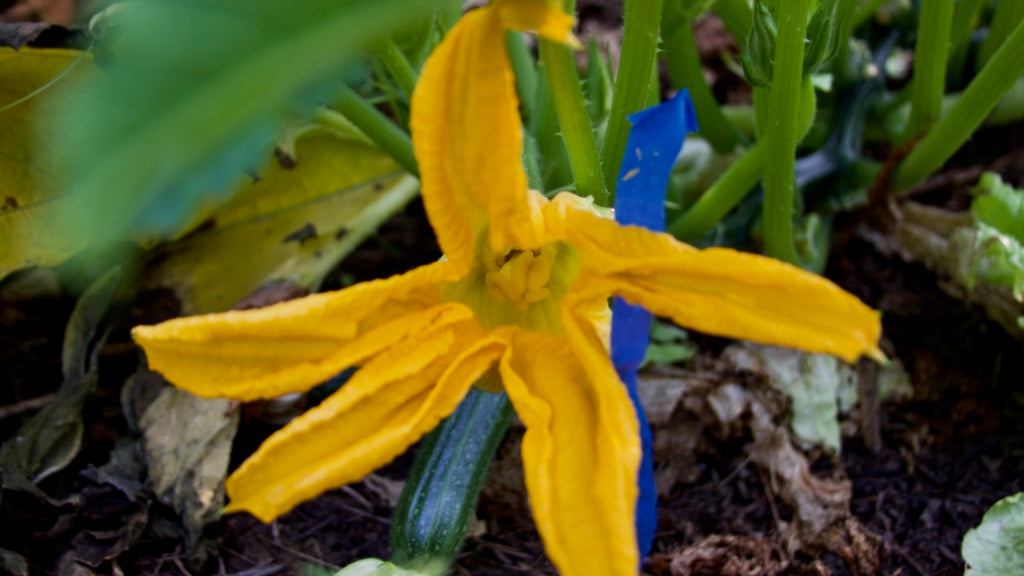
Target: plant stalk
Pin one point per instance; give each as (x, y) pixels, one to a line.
(930, 55)
(781, 136)
(977, 101)
(574, 120)
(731, 187)
(398, 66)
(736, 15)
(642, 21)
(378, 128)
(685, 71)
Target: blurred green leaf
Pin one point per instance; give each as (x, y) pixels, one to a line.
(326, 194)
(996, 546)
(190, 97)
(28, 233)
(669, 344)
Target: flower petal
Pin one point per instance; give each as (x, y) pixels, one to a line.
(580, 452)
(294, 345)
(467, 133)
(540, 17)
(718, 291)
(387, 405)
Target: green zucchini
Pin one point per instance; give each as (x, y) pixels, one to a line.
(433, 513)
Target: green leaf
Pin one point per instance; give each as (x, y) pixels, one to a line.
(190, 97)
(996, 546)
(307, 211)
(984, 254)
(29, 235)
(999, 205)
(669, 344)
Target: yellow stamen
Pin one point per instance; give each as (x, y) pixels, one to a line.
(521, 276)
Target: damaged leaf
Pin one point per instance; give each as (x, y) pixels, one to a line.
(307, 211)
(187, 443)
(29, 228)
(815, 384)
(50, 440)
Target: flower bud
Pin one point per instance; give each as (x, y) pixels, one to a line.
(823, 34)
(759, 50)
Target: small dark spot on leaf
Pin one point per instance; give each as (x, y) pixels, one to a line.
(302, 234)
(208, 224)
(378, 186)
(286, 160)
(340, 233)
(10, 203)
(271, 293)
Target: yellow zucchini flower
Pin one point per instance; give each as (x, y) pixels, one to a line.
(519, 304)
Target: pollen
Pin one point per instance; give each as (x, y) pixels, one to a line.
(521, 276)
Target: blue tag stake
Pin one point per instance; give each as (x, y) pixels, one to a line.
(655, 139)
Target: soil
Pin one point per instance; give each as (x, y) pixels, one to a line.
(945, 456)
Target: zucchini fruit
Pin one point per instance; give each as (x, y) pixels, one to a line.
(433, 513)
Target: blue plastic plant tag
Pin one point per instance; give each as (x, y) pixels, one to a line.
(655, 139)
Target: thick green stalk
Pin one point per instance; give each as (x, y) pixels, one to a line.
(1007, 15)
(574, 120)
(736, 15)
(980, 97)
(930, 53)
(685, 71)
(642, 20)
(378, 128)
(965, 20)
(398, 65)
(782, 134)
(525, 72)
(731, 187)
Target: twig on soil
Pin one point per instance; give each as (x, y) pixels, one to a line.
(351, 492)
(909, 559)
(769, 494)
(29, 405)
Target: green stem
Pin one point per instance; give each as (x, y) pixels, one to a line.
(781, 136)
(378, 128)
(731, 187)
(642, 20)
(574, 120)
(1007, 15)
(743, 118)
(525, 72)
(685, 71)
(736, 15)
(398, 65)
(980, 97)
(930, 52)
(965, 20)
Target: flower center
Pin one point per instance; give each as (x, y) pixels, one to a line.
(521, 276)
